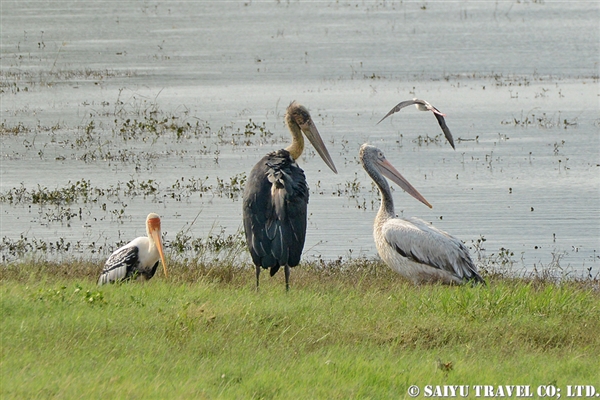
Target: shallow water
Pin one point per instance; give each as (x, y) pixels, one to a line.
(520, 91)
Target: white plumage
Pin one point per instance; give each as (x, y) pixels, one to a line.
(138, 258)
(411, 246)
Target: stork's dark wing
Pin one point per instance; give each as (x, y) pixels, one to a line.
(120, 265)
(398, 107)
(274, 211)
(445, 128)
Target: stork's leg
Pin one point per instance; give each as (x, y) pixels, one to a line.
(287, 277)
(257, 276)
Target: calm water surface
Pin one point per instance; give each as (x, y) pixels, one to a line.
(520, 91)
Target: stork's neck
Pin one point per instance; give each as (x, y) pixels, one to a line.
(297, 147)
(151, 244)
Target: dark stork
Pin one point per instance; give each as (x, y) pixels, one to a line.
(137, 258)
(276, 198)
(410, 246)
(422, 105)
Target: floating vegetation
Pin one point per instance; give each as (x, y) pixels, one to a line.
(215, 246)
(132, 123)
(351, 189)
(253, 129)
(82, 191)
(427, 140)
(16, 80)
(183, 189)
(15, 249)
(557, 146)
(79, 192)
(60, 214)
(232, 189)
(508, 80)
(541, 121)
(150, 125)
(143, 188)
(17, 129)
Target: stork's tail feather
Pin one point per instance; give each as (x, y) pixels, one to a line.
(273, 270)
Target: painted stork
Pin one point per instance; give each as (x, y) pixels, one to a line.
(422, 105)
(410, 246)
(276, 198)
(138, 258)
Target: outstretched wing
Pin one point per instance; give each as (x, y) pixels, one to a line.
(424, 106)
(397, 108)
(120, 265)
(274, 211)
(421, 242)
(445, 129)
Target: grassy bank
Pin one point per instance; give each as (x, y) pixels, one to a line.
(354, 330)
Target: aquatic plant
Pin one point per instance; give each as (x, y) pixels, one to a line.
(79, 191)
(426, 140)
(17, 129)
(541, 121)
(232, 189)
(252, 129)
(82, 191)
(351, 189)
(183, 189)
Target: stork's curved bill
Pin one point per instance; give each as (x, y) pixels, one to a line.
(155, 233)
(308, 127)
(423, 105)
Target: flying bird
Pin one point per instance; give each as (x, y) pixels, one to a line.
(276, 198)
(410, 246)
(138, 258)
(422, 105)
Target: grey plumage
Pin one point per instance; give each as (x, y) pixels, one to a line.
(276, 199)
(275, 211)
(411, 246)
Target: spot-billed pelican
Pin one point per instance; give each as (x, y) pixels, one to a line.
(276, 198)
(422, 105)
(137, 258)
(411, 246)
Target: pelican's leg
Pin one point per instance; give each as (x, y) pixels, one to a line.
(287, 277)
(257, 276)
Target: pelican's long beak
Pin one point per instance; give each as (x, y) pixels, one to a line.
(311, 132)
(388, 170)
(154, 228)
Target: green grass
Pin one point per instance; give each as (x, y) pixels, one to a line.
(350, 331)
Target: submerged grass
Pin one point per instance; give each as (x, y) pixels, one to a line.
(345, 330)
